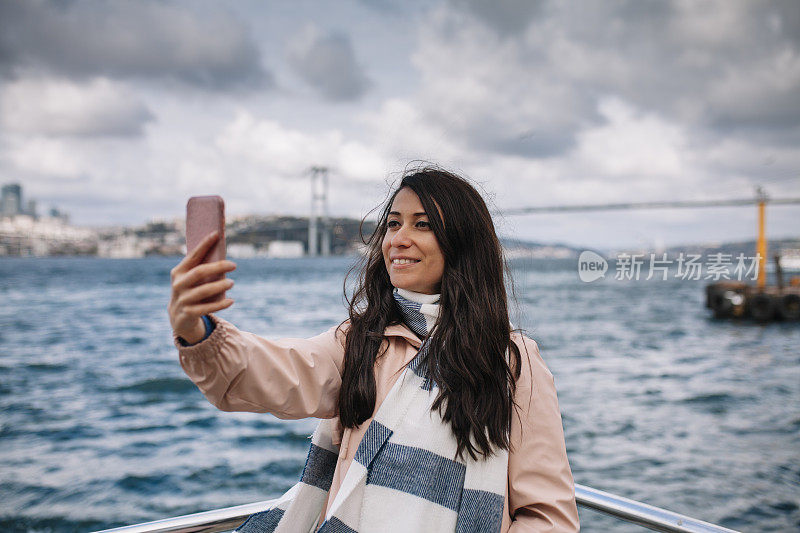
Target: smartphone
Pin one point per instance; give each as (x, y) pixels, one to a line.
(204, 215)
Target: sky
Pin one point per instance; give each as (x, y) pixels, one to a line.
(118, 111)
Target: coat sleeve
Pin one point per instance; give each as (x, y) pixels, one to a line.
(290, 378)
(541, 491)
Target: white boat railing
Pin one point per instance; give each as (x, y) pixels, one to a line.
(639, 513)
(648, 516)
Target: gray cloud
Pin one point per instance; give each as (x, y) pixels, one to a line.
(327, 63)
(723, 65)
(729, 68)
(386, 6)
(533, 144)
(61, 108)
(128, 40)
(505, 16)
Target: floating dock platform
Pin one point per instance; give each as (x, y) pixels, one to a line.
(733, 299)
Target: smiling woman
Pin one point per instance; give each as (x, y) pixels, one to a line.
(436, 415)
(412, 254)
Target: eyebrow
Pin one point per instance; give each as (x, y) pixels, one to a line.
(421, 213)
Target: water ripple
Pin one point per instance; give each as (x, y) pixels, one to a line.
(660, 402)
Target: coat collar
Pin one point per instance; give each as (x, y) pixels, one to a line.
(401, 330)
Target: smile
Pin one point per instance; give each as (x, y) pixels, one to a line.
(404, 261)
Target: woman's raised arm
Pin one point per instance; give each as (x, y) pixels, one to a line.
(290, 378)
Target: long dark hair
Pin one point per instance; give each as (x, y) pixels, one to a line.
(467, 355)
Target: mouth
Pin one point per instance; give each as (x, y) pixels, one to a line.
(404, 261)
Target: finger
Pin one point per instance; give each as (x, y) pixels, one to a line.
(204, 291)
(204, 309)
(201, 272)
(195, 256)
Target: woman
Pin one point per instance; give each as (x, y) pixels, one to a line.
(436, 415)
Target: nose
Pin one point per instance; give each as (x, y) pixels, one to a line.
(400, 238)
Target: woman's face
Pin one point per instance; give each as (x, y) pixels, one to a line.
(411, 252)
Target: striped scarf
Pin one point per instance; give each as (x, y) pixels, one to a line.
(402, 477)
(419, 311)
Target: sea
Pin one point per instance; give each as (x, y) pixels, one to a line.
(99, 426)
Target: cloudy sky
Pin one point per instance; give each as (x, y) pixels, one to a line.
(117, 112)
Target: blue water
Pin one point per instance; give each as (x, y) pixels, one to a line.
(100, 428)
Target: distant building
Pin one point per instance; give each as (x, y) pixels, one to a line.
(11, 200)
(55, 213)
(241, 251)
(286, 249)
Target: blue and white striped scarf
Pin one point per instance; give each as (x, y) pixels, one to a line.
(403, 477)
(420, 311)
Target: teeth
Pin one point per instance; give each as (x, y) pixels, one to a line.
(404, 261)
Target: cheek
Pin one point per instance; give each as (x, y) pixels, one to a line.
(385, 249)
(436, 251)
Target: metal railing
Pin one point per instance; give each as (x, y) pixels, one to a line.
(642, 514)
(639, 513)
(214, 521)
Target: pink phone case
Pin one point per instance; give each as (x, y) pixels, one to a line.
(204, 215)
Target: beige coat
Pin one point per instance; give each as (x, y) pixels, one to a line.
(300, 378)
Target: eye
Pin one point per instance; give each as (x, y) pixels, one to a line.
(423, 224)
(392, 224)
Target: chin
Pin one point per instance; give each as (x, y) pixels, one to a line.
(402, 284)
(413, 288)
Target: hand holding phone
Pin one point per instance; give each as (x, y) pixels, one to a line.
(198, 281)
